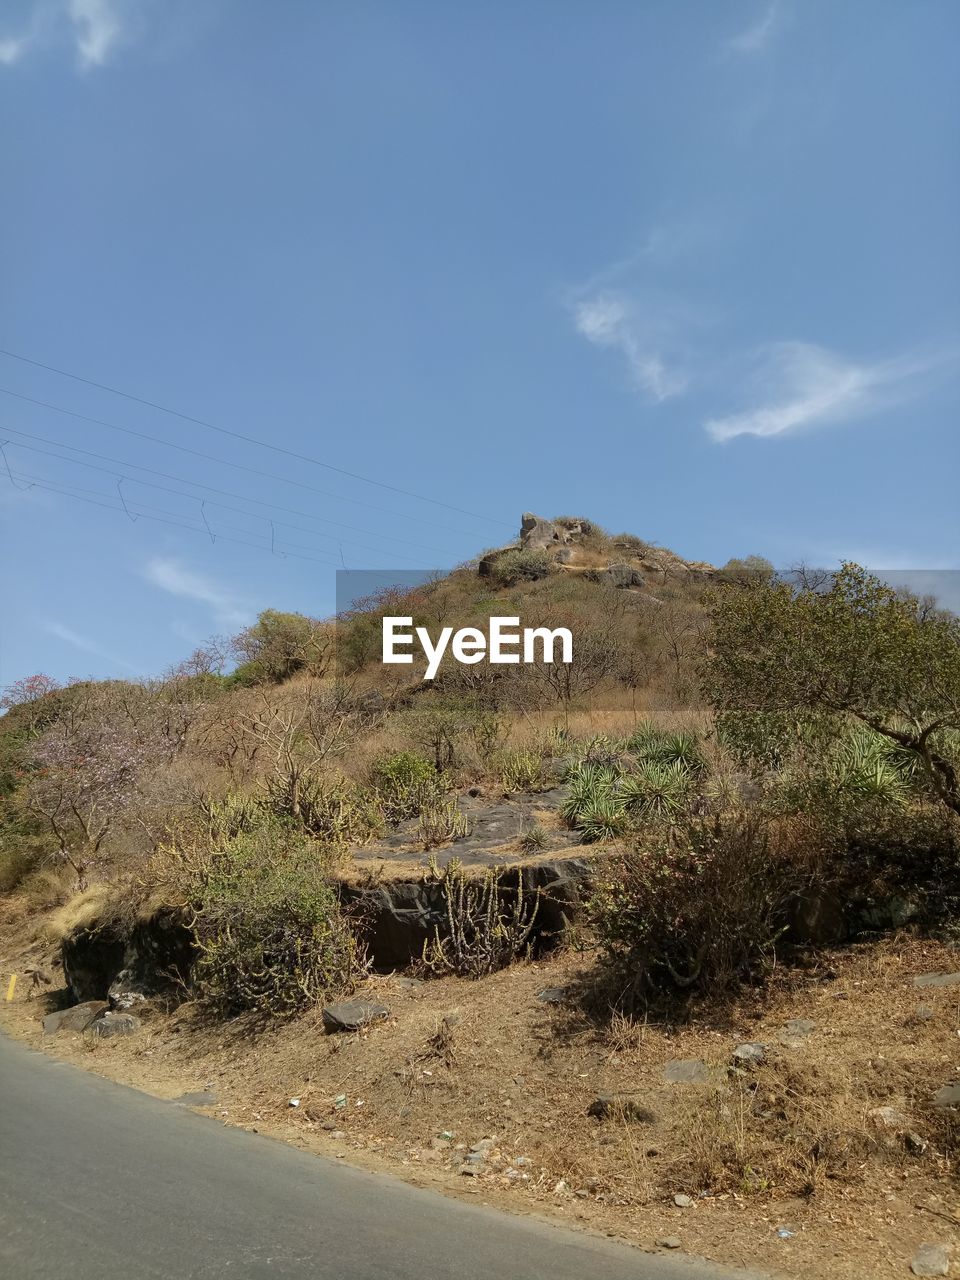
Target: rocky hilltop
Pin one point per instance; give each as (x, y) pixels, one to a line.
(576, 545)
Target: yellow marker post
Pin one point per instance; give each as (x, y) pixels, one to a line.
(11, 985)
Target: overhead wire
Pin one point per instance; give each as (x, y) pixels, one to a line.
(36, 482)
(248, 439)
(191, 497)
(237, 466)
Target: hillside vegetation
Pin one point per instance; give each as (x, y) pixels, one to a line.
(741, 782)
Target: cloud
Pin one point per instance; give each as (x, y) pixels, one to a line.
(756, 38)
(608, 320)
(93, 27)
(802, 385)
(71, 637)
(98, 29)
(172, 577)
(12, 49)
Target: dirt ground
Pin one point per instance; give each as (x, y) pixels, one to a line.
(785, 1168)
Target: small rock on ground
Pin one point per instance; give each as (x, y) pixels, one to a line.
(552, 995)
(76, 1018)
(351, 1015)
(799, 1028)
(930, 1260)
(682, 1201)
(669, 1242)
(937, 980)
(110, 1024)
(686, 1071)
(948, 1096)
(749, 1055)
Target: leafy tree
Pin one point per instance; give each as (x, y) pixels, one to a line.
(788, 657)
(278, 645)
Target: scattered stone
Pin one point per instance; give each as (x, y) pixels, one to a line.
(337, 1134)
(930, 1260)
(612, 1106)
(924, 1012)
(669, 1242)
(77, 1018)
(409, 984)
(682, 1201)
(914, 1143)
(351, 1015)
(622, 576)
(552, 995)
(108, 1025)
(202, 1098)
(795, 1031)
(937, 980)
(799, 1027)
(948, 1096)
(294, 1102)
(888, 1118)
(686, 1071)
(749, 1055)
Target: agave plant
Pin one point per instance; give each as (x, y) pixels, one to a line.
(603, 818)
(588, 784)
(654, 746)
(656, 790)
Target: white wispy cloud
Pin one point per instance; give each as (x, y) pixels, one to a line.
(94, 29)
(609, 320)
(755, 38)
(171, 576)
(98, 29)
(12, 49)
(86, 645)
(799, 384)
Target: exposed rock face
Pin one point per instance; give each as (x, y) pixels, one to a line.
(402, 915)
(622, 575)
(537, 533)
(102, 961)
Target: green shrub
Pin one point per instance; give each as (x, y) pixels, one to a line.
(603, 818)
(520, 564)
(487, 927)
(441, 821)
(655, 790)
(653, 745)
(535, 839)
(698, 906)
(523, 770)
(269, 931)
(335, 812)
(405, 784)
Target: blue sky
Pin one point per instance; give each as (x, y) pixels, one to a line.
(689, 269)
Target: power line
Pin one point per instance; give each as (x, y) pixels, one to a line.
(120, 478)
(226, 493)
(239, 435)
(36, 483)
(239, 466)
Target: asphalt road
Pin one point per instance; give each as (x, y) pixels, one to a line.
(100, 1182)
